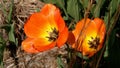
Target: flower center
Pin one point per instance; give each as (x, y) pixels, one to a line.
(53, 35)
(94, 42)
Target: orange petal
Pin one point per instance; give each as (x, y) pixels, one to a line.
(43, 44)
(101, 30)
(53, 14)
(90, 28)
(62, 38)
(37, 26)
(99, 22)
(28, 47)
(71, 38)
(49, 11)
(34, 45)
(100, 25)
(80, 26)
(59, 20)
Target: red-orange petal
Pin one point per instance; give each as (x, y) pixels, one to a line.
(101, 26)
(53, 12)
(34, 45)
(71, 38)
(28, 47)
(49, 10)
(101, 30)
(36, 26)
(42, 44)
(41, 47)
(80, 26)
(59, 20)
(62, 38)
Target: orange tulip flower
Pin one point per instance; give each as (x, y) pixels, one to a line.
(89, 36)
(44, 30)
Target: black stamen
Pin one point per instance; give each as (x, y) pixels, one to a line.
(94, 42)
(53, 35)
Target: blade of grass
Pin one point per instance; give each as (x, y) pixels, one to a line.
(2, 8)
(59, 62)
(10, 12)
(2, 46)
(11, 33)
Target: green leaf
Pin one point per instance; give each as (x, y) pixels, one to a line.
(3, 9)
(6, 27)
(113, 6)
(73, 9)
(2, 47)
(59, 3)
(84, 3)
(59, 62)
(98, 8)
(49, 1)
(11, 33)
(81, 56)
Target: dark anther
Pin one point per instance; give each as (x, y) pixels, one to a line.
(53, 35)
(94, 42)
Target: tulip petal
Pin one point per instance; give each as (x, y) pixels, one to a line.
(101, 27)
(62, 38)
(49, 11)
(101, 30)
(28, 47)
(80, 26)
(34, 45)
(37, 26)
(71, 38)
(43, 47)
(52, 14)
(59, 20)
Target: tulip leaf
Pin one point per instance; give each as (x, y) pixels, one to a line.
(113, 6)
(84, 3)
(49, 1)
(81, 56)
(73, 9)
(59, 3)
(98, 8)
